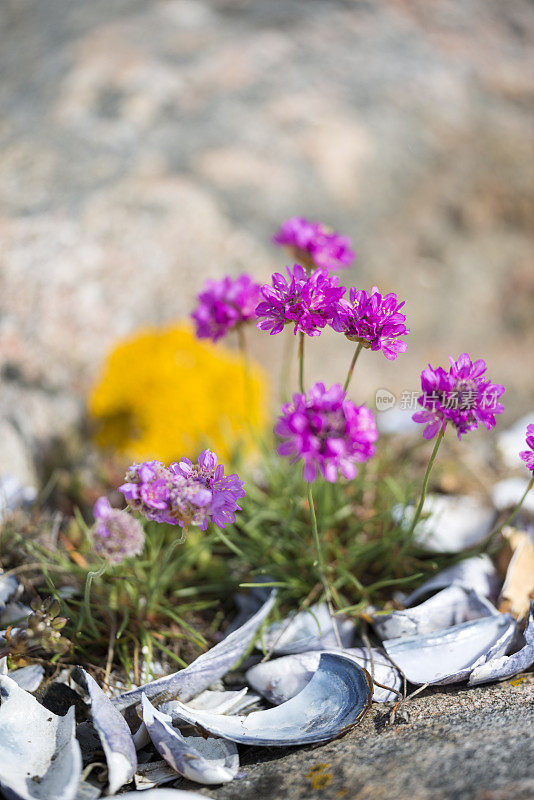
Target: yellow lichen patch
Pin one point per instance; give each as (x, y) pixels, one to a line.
(163, 394)
(319, 777)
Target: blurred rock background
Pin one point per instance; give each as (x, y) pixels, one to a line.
(148, 144)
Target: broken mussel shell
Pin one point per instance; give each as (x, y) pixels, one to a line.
(452, 654)
(336, 698)
(207, 761)
(40, 757)
(280, 679)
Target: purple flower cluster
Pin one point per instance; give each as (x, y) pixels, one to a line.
(327, 431)
(184, 493)
(528, 455)
(309, 302)
(224, 304)
(314, 245)
(374, 320)
(460, 396)
(116, 534)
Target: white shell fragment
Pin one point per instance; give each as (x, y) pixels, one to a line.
(153, 774)
(281, 679)
(220, 702)
(207, 761)
(476, 573)
(511, 441)
(13, 612)
(454, 522)
(13, 495)
(8, 587)
(335, 699)
(449, 607)
(28, 678)
(312, 629)
(40, 758)
(113, 731)
(498, 669)
(208, 667)
(451, 655)
(507, 493)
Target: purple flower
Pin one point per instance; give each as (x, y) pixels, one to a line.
(327, 431)
(528, 455)
(309, 302)
(184, 493)
(314, 245)
(224, 304)
(374, 320)
(460, 396)
(116, 534)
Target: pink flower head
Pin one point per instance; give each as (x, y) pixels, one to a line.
(314, 245)
(460, 396)
(116, 534)
(224, 304)
(184, 493)
(374, 320)
(528, 455)
(308, 302)
(327, 431)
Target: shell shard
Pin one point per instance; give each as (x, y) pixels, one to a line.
(114, 733)
(451, 655)
(476, 573)
(454, 522)
(282, 678)
(500, 668)
(39, 755)
(451, 606)
(507, 493)
(307, 630)
(28, 678)
(219, 702)
(8, 587)
(206, 761)
(206, 669)
(336, 698)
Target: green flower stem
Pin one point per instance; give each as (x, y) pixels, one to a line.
(301, 362)
(352, 365)
(320, 564)
(425, 481)
(285, 369)
(86, 609)
(512, 514)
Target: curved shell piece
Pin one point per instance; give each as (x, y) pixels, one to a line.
(281, 679)
(206, 669)
(449, 607)
(454, 522)
(498, 669)
(335, 699)
(39, 755)
(114, 733)
(451, 655)
(476, 573)
(28, 678)
(207, 761)
(307, 630)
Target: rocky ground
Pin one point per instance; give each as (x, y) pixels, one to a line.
(456, 744)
